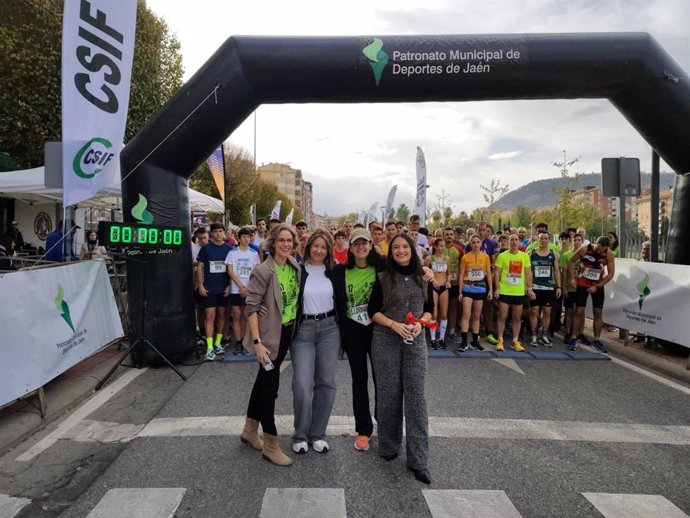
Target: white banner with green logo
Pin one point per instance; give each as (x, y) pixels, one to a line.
(97, 53)
(649, 298)
(51, 319)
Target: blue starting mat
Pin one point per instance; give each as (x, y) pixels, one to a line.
(586, 355)
(550, 355)
(473, 353)
(441, 353)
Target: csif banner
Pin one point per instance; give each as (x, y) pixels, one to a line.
(288, 219)
(97, 53)
(275, 213)
(420, 198)
(371, 215)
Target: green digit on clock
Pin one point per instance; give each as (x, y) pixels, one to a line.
(115, 234)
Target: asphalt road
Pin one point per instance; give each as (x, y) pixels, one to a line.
(525, 438)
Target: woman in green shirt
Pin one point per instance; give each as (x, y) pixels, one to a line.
(273, 285)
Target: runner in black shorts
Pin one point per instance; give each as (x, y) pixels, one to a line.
(546, 282)
(595, 261)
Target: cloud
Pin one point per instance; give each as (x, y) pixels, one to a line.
(505, 156)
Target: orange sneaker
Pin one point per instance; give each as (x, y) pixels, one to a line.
(362, 443)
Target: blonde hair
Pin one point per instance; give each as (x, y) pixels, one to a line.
(271, 239)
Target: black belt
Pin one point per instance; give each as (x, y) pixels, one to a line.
(319, 316)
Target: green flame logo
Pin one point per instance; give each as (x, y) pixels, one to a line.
(378, 59)
(62, 307)
(139, 211)
(643, 289)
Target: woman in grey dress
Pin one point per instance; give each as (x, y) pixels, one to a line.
(398, 353)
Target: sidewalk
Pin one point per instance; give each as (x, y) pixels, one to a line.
(23, 418)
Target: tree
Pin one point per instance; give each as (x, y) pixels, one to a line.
(403, 213)
(565, 209)
(30, 67)
(522, 217)
(492, 194)
(461, 220)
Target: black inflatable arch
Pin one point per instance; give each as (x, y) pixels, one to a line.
(629, 69)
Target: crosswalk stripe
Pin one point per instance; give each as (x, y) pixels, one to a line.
(303, 503)
(447, 427)
(633, 506)
(158, 502)
(10, 505)
(484, 503)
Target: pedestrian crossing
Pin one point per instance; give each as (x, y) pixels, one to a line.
(331, 502)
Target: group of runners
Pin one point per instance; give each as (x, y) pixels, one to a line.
(483, 281)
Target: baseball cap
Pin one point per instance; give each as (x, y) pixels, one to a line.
(359, 233)
(522, 229)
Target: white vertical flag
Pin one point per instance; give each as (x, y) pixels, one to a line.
(389, 203)
(371, 215)
(420, 199)
(252, 214)
(362, 217)
(288, 219)
(97, 53)
(275, 213)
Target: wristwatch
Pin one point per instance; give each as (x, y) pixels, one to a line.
(256, 341)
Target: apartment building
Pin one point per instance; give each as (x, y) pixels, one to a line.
(290, 182)
(644, 208)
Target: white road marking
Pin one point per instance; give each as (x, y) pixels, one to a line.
(528, 429)
(303, 503)
(10, 506)
(100, 431)
(483, 503)
(511, 364)
(80, 413)
(633, 506)
(651, 375)
(156, 502)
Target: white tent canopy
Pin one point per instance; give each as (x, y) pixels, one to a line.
(28, 185)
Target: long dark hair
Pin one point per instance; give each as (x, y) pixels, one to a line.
(388, 276)
(373, 259)
(614, 245)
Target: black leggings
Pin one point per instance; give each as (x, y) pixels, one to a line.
(357, 345)
(262, 402)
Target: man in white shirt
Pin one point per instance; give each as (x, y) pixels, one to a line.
(240, 262)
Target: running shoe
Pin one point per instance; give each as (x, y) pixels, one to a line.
(583, 340)
(300, 447)
(545, 339)
(534, 341)
(566, 338)
(210, 355)
(599, 346)
(478, 346)
(238, 348)
(320, 446)
(452, 337)
(517, 346)
(442, 344)
(362, 443)
(218, 349)
(462, 347)
(433, 345)
(491, 339)
(572, 346)
(499, 345)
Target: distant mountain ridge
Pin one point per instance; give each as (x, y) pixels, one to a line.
(540, 193)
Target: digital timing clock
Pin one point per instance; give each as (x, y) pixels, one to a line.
(112, 233)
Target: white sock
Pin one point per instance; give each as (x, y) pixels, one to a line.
(442, 329)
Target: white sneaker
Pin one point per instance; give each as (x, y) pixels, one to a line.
(300, 447)
(320, 446)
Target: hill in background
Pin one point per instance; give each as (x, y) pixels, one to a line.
(540, 193)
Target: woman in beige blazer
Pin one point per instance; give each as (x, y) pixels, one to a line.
(273, 285)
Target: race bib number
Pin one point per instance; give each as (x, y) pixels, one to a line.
(475, 274)
(244, 271)
(591, 274)
(513, 280)
(542, 272)
(360, 314)
(439, 267)
(217, 267)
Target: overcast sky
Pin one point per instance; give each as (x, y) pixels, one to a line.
(353, 165)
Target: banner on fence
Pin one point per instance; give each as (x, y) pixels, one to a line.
(649, 298)
(51, 319)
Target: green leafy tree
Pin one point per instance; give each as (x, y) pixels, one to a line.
(403, 213)
(461, 220)
(30, 67)
(522, 216)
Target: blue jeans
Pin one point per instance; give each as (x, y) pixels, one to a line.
(314, 352)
